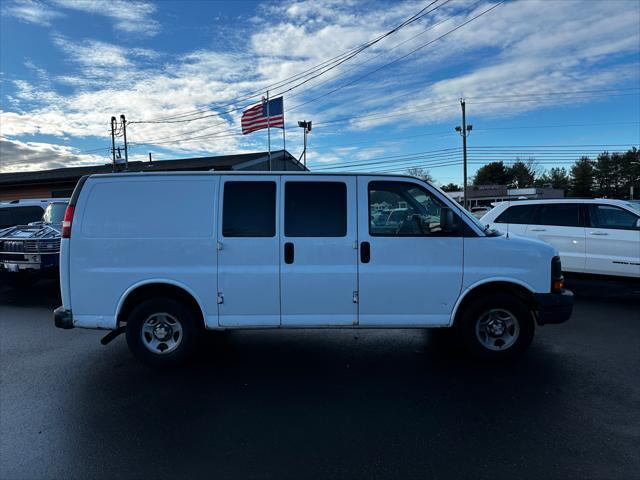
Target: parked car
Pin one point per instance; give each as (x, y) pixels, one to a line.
(599, 236)
(279, 250)
(21, 212)
(28, 252)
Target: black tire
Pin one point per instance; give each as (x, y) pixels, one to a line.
(174, 311)
(515, 338)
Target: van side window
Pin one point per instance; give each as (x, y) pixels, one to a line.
(517, 214)
(558, 214)
(249, 209)
(405, 209)
(608, 216)
(315, 209)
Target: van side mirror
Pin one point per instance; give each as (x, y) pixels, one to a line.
(447, 220)
(638, 223)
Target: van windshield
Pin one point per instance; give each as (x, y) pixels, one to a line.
(466, 213)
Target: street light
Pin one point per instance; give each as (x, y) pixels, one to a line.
(307, 128)
(464, 132)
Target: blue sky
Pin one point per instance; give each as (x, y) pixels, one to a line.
(536, 74)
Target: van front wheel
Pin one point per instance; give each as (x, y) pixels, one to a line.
(497, 326)
(161, 332)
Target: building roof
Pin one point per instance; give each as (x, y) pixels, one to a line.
(225, 162)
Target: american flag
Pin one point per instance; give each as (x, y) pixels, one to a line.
(255, 118)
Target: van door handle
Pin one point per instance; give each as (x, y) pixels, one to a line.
(598, 233)
(538, 229)
(365, 252)
(288, 253)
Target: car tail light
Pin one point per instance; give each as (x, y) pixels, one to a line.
(68, 221)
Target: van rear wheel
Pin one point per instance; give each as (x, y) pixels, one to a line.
(161, 332)
(497, 326)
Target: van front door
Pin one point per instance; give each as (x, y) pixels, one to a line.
(318, 251)
(248, 252)
(410, 249)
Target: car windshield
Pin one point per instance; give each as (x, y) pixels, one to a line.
(54, 213)
(635, 204)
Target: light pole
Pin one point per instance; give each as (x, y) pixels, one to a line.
(464, 132)
(307, 128)
(126, 147)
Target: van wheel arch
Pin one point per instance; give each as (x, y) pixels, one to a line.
(159, 290)
(493, 288)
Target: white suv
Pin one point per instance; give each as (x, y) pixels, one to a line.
(599, 236)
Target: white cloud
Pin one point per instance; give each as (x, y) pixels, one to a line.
(93, 53)
(129, 16)
(31, 11)
(17, 156)
(532, 46)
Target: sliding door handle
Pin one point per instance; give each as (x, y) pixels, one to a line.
(538, 230)
(365, 252)
(600, 234)
(289, 253)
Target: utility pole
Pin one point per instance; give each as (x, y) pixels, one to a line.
(126, 148)
(307, 128)
(464, 131)
(113, 141)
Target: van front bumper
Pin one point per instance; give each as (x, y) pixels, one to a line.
(63, 318)
(554, 307)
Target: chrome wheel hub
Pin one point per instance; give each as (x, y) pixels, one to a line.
(497, 329)
(161, 333)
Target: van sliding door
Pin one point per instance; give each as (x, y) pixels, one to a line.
(318, 251)
(248, 252)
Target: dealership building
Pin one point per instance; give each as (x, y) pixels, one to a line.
(60, 182)
(485, 195)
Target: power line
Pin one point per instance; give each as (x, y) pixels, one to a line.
(400, 58)
(338, 61)
(430, 107)
(431, 27)
(443, 154)
(342, 61)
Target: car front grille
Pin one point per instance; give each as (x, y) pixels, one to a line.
(30, 246)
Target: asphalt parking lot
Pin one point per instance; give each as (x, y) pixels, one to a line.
(323, 404)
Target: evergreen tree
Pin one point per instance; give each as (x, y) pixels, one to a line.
(522, 174)
(582, 179)
(557, 177)
(494, 173)
(451, 187)
(607, 173)
(630, 173)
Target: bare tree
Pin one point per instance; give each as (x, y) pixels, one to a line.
(420, 173)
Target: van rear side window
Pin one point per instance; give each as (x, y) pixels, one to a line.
(150, 209)
(249, 209)
(315, 209)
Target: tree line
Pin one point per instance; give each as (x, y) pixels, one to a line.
(610, 175)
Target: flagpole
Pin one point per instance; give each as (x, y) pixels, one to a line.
(269, 131)
(284, 141)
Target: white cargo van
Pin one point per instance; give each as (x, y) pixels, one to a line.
(161, 256)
